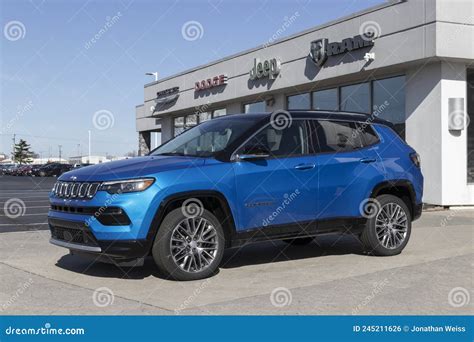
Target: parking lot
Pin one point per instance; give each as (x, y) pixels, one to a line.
(330, 276)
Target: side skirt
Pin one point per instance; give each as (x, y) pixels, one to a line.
(349, 225)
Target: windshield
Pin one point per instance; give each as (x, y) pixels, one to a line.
(206, 139)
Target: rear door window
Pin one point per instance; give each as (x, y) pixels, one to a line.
(336, 136)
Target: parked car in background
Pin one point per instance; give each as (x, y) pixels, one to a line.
(53, 170)
(79, 166)
(5, 168)
(11, 170)
(23, 170)
(35, 169)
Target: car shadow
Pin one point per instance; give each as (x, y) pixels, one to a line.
(278, 251)
(252, 254)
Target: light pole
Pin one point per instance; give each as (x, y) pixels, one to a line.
(153, 74)
(89, 155)
(60, 146)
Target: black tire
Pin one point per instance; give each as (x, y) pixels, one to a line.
(162, 254)
(299, 241)
(369, 238)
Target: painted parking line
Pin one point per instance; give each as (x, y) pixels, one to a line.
(24, 224)
(6, 197)
(44, 214)
(21, 191)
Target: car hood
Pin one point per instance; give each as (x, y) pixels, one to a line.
(130, 168)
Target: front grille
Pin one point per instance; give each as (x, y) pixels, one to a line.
(82, 190)
(108, 216)
(73, 235)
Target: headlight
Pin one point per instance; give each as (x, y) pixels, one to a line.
(125, 186)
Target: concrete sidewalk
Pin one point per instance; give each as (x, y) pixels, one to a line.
(434, 275)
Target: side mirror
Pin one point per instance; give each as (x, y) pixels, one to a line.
(257, 151)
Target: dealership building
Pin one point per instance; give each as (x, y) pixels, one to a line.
(409, 62)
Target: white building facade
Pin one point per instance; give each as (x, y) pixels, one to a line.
(409, 62)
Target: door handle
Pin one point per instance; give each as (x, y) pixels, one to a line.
(367, 160)
(304, 166)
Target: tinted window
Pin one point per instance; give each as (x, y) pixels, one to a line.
(369, 137)
(291, 141)
(300, 101)
(337, 136)
(219, 112)
(325, 99)
(256, 107)
(389, 101)
(355, 98)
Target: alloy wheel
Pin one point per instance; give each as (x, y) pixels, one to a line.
(391, 225)
(194, 244)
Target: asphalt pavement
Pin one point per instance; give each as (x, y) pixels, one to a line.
(332, 275)
(24, 203)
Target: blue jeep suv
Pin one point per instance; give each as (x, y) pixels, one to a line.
(238, 179)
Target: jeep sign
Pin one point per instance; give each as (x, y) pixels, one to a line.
(267, 68)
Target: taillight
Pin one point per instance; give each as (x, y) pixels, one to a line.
(415, 158)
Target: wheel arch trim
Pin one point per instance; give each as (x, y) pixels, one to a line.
(167, 201)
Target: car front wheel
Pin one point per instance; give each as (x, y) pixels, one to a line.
(388, 228)
(189, 247)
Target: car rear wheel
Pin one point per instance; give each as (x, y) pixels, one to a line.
(189, 247)
(388, 228)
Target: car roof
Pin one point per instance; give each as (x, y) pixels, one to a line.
(314, 114)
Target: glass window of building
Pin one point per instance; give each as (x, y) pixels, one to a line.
(255, 107)
(219, 112)
(204, 116)
(300, 101)
(178, 125)
(191, 120)
(325, 99)
(389, 102)
(356, 98)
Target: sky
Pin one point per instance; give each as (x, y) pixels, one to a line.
(70, 67)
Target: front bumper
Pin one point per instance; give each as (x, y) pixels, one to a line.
(77, 236)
